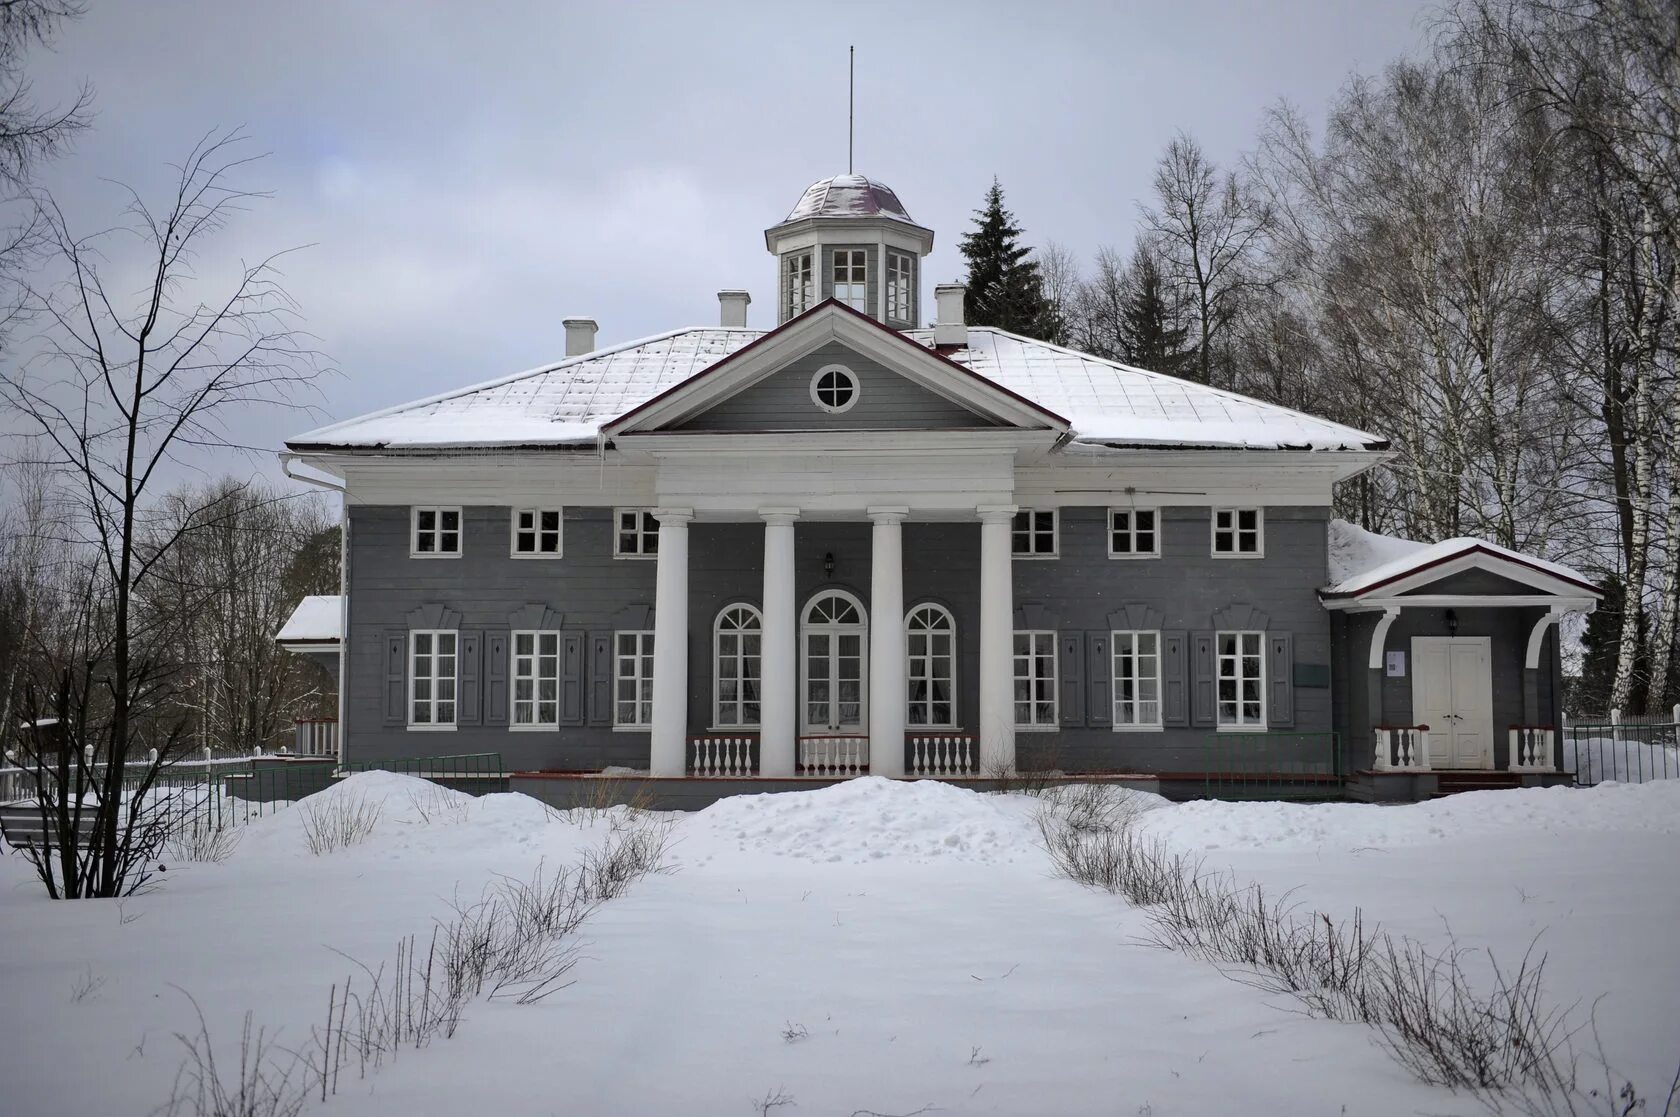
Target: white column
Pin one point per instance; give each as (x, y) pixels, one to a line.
(887, 687)
(997, 641)
(670, 645)
(778, 648)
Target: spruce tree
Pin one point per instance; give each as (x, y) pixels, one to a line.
(1152, 335)
(1004, 287)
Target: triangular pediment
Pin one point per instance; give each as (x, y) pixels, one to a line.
(898, 384)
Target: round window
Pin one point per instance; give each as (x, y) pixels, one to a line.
(834, 388)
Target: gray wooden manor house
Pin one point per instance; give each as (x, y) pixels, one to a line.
(855, 543)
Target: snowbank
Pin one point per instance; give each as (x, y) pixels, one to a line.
(874, 819)
(1353, 550)
(1648, 808)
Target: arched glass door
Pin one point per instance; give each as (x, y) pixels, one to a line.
(834, 637)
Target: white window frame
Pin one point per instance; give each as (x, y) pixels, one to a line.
(1235, 531)
(536, 531)
(799, 272)
(740, 656)
(857, 290)
(1132, 636)
(437, 531)
(527, 667)
(1032, 657)
(1132, 530)
(640, 677)
(1241, 724)
(642, 531)
(1032, 532)
(433, 678)
(930, 676)
(851, 378)
(900, 285)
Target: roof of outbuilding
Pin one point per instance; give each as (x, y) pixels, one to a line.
(1362, 561)
(849, 196)
(1106, 403)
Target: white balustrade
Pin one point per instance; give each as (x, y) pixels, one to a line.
(1532, 748)
(316, 737)
(833, 756)
(942, 755)
(722, 756)
(1402, 748)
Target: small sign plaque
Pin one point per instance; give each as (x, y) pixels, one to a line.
(1396, 662)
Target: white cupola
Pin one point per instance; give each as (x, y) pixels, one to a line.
(850, 239)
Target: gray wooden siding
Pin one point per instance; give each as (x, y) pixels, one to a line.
(587, 587)
(886, 401)
(593, 593)
(1186, 587)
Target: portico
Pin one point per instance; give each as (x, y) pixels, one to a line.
(832, 690)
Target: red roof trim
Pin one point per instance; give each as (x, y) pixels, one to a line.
(1473, 549)
(683, 385)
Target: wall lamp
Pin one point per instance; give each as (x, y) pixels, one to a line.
(828, 565)
(1452, 622)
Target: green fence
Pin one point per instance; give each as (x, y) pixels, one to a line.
(1624, 751)
(462, 766)
(1272, 766)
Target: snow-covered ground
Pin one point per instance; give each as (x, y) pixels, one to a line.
(874, 946)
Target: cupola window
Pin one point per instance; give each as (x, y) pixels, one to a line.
(834, 389)
(898, 287)
(850, 281)
(798, 283)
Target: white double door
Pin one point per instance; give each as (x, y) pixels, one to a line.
(835, 647)
(1452, 693)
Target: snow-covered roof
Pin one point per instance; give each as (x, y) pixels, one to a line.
(318, 619)
(848, 196)
(1107, 403)
(1363, 560)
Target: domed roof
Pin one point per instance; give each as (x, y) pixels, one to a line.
(849, 196)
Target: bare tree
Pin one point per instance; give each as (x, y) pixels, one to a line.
(119, 393)
(1058, 268)
(1207, 228)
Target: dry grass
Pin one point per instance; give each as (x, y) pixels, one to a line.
(338, 819)
(1497, 1038)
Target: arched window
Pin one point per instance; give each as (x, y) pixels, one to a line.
(931, 637)
(834, 632)
(735, 663)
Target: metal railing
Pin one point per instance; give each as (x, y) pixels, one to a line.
(458, 766)
(1623, 751)
(1272, 766)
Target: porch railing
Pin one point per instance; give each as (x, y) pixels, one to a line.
(942, 754)
(834, 755)
(723, 757)
(315, 737)
(1401, 748)
(1533, 748)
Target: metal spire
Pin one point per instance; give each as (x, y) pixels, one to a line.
(851, 102)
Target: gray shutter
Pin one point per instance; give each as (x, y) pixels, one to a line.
(1070, 658)
(396, 677)
(600, 678)
(1280, 676)
(571, 678)
(1204, 672)
(468, 709)
(1175, 707)
(496, 678)
(1099, 669)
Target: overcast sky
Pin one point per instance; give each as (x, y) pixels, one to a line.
(467, 175)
